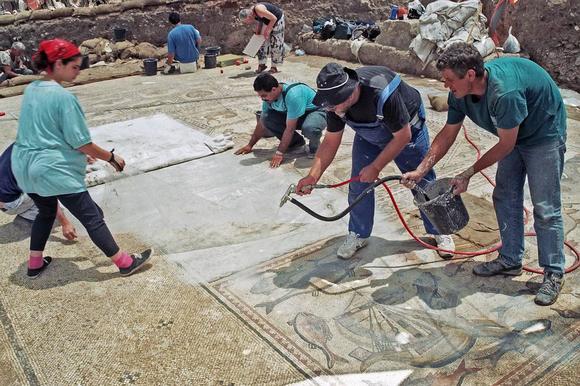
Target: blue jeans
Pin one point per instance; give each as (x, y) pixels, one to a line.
(364, 153)
(311, 124)
(543, 165)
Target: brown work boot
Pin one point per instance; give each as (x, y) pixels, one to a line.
(261, 68)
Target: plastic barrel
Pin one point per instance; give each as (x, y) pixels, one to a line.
(445, 210)
(150, 66)
(210, 61)
(394, 12)
(119, 34)
(213, 50)
(85, 62)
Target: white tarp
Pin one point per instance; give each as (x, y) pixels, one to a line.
(445, 22)
(218, 215)
(146, 144)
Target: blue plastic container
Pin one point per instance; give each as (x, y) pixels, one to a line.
(394, 12)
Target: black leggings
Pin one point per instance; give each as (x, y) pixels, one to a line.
(82, 206)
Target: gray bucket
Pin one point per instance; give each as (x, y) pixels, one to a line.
(444, 209)
(150, 66)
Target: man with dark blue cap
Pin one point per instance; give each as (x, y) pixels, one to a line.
(388, 118)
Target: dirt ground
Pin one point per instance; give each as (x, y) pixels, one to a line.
(546, 29)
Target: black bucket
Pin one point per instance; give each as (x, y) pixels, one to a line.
(119, 34)
(444, 209)
(213, 50)
(150, 66)
(210, 61)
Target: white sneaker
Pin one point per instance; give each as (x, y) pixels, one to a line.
(352, 244)
(445, 242)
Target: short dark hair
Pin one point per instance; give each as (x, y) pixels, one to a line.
(174, 18)
(265, 82)
(460, 57)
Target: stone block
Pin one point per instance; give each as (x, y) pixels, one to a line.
(106, 9)
(339, 49)
(229, 60)
(397, 60)
(62, 12)
(22, 16)
(41, 14)
(145, 50)
(370, 54)
(130, 52)
(84, 12)
(121, 46)
(148, 3)
(91, 43)
(398, 33)
(132, 4)
(7, 19)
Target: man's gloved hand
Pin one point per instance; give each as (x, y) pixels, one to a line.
(461, 181)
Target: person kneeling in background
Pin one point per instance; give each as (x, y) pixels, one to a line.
(183, 43)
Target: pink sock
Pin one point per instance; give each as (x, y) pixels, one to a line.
(124, 260)
(35, 262)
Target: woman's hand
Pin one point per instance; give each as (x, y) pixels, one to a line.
(68, 231)
(117, 162)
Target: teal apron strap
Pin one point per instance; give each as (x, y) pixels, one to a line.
(385, 94)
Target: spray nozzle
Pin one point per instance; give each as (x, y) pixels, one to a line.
(286, 197)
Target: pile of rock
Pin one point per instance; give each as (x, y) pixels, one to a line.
(100, 49)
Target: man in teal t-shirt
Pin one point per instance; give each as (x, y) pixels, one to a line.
(286, 108)
(518, 101)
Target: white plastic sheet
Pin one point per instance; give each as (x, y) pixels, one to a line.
(445, 22)
(254, 45)
(146, 144)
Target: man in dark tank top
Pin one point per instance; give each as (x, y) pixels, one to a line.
(269, 22)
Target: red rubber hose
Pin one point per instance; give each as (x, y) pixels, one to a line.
(496, 247)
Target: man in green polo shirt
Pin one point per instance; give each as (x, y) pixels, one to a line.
(516, 100)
